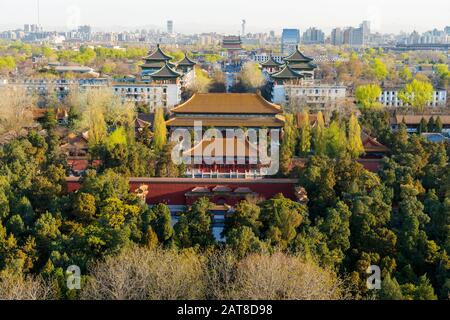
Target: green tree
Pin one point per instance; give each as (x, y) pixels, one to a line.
(335, 140)
(423, 127)
(424, 290)
(431, 125)
(390, 289)
(49, 122)
(159, 131)
(84, 207)
(354, 143)
(165, 167)
(405, 74)
(336, 226)
(246, 215)
(242, 240)
(287, 150)
(305, 134)
(417, 94)
(194, 227)
(117, 137)
(379, 69)
(438, 126)
(367, 96)
(162, 224)
(414, 245)
(318, 135)
(281, 217)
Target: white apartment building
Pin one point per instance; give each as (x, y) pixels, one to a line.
(316, 95)
(60, 87)
(152, 94)
(389, 98)
(261, 58)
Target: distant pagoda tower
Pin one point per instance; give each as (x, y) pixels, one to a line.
(297, 61)
(232, 44)
(186, 64)
(155, 61)
(165, 75)
(271, 65)
(287, 75)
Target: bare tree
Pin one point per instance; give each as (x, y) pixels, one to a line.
(139, 273)
(251, 76)
(16, 110)
(281, 276)
(157, 274)
(19, 287)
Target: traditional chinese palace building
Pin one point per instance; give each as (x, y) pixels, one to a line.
(224, 111)
(161, 81)
(293, 80)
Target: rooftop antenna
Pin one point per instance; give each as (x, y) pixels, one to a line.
(38, 13)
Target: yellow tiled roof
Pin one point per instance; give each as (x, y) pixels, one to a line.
(244, 122)
(226, 103)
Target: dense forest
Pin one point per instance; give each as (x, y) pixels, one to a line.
(398, 219)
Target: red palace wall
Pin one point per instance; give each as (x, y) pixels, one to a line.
(172, 191)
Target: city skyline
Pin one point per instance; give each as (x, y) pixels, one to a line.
(384, 16)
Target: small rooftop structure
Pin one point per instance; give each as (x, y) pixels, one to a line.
(232, 43)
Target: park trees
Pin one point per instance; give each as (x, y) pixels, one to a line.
(16, 110)
(405, 74)
(201, 83)
(367, 96)
(251, 76)
(417, 94)
(354, 143)
(159, 131)
(305, 134)
(162, 223)
(335, 138)
(194, 226)
(281, 217)
(318, 135)
(288, 144)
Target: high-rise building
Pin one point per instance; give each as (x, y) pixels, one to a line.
(289, 40)
(447, 30)
(85, 29)
(365, 28)
(170, 27)
(337, 37)
(354, 36)
(313, 35)
(243, 28)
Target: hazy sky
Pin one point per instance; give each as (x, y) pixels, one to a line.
(226, 15)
